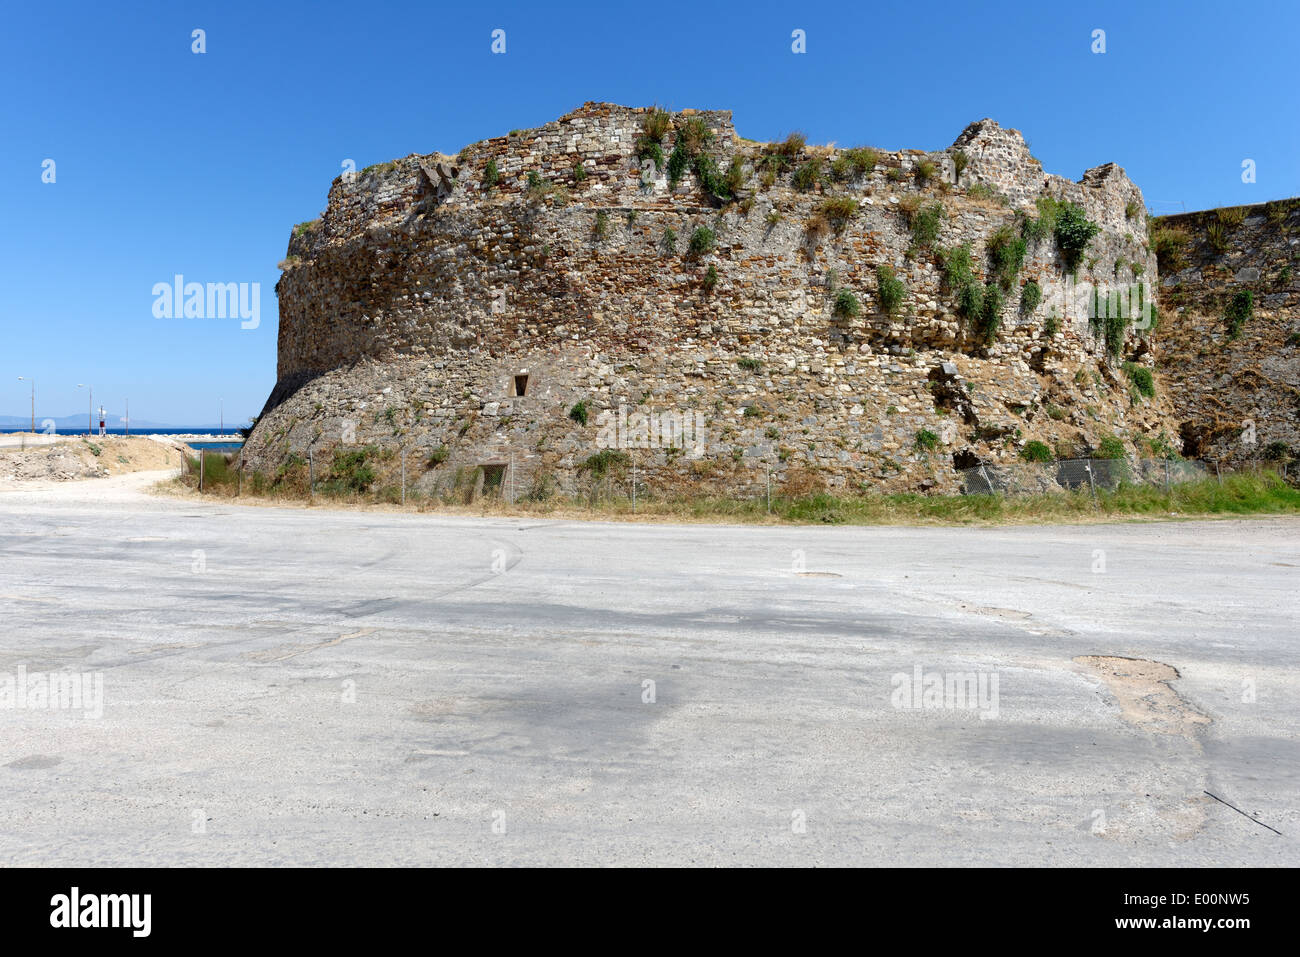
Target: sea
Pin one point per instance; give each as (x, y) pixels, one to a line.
(228, 442)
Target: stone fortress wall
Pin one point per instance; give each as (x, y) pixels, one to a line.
(411, 312)
(1237, 397)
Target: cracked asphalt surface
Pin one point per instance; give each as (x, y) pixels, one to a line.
(294, 686)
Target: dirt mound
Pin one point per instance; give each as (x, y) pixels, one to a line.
(86, 458)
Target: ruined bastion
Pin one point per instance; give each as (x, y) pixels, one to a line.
(498, 307)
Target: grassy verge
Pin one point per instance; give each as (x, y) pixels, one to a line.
(1247, 493)
(1242, 494)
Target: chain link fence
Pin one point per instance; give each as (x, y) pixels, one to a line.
(1087, 475)
(1084, 475)
(629, 484)
(1078, 475)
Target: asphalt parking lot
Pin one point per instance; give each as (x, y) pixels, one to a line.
(307, 686)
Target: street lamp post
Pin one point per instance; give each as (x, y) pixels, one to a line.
(90, 407)
(33, 382)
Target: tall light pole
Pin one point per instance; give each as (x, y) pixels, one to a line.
(33, 382)
(90, 407)
(222, 425)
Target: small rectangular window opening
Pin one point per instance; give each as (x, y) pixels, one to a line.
(521, 384)
(493, 478)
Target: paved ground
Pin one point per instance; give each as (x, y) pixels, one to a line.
(284, 686)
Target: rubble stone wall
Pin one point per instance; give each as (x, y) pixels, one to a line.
(1237, 399)
(409, 309)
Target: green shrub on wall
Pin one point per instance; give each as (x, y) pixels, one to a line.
(1036, 451)
(702, 240)
(846, 304)
(889, 289)
(807, 176)
(654, 127)
(1073, 231)
(1141, 378)
(1007, 253)
(1240, 308)
(990, 313)
(677, 163)
(1170, 246)
(970, 301)
(958, 270)
(925, 225)
(838, 210)
(1109, 448)
(1116, 327)
(1030, 296)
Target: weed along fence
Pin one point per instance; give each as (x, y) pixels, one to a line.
(393, 476)
(363, 473)
(618, 482)
(208, 471)
(1084, 476)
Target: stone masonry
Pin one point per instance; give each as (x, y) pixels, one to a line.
(427, 298)
(1237, 399)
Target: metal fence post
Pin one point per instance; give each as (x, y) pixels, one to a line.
(201, 457)
(769, 489)
(311, 474)
(239, 476)
(403, 475)
(1217, 475)
(1166, 475)
(634, 485)
(1091, 485)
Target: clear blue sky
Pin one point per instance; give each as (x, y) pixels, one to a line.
(171, 162)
